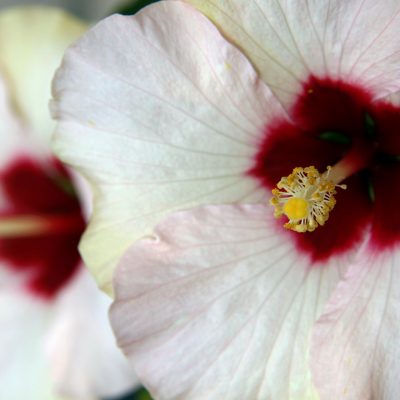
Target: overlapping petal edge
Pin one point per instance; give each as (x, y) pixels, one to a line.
(179, 129)
(355, 352)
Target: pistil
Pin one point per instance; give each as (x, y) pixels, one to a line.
(14, 226)
(306, 197)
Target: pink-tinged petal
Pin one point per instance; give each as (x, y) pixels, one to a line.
(32, 42)
(160, 113)
(84, 359)
(219, 305)
(289, 40)
(355, 351)
(24, 371)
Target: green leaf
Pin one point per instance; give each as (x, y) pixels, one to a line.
(143, 395)
(335, 137)
(132, 7)
(140, 394)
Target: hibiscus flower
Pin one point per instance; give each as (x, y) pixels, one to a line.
(55, 339)
(187, 116)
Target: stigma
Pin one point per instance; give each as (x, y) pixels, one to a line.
(306, 198)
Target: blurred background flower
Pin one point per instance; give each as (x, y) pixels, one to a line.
(55, 336)
(88, 9)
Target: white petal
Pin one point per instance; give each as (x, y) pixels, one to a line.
(161, 113)
(84, 359)
(24, 372)
(220, 306)
(356, 354)
(289, 40)
(32, 42)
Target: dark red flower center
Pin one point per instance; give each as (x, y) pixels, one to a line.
(329, 120)
(48, 256)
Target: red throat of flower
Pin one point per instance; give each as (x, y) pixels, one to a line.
(42, 224)
(337, 124)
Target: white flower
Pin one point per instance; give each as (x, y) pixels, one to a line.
(184, 126)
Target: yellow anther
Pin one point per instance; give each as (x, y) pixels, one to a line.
(296, 208)
(275, 191)
(306, 197)
(274, 201)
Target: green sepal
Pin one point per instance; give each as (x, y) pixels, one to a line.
(369, 125)
(335, 137)
(371, 190)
